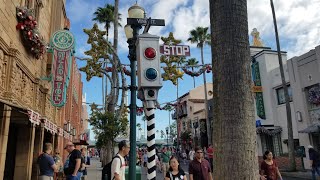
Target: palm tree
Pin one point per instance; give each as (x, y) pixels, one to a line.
(234, 132)
(106, 15)
(192, 62)
(291, 153)
(201, 37)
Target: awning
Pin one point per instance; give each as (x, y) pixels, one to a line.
(269, 132)
(314, 128)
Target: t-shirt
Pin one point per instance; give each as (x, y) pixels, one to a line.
(166, 156)
(210, 152)
(315, 157)
(178, 176)
(118, 166)
(70, 164)
(45, 162)
(200, 171)
(270, 170)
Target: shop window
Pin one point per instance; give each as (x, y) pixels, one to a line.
(280, 95)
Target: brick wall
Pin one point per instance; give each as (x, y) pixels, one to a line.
(283, 162)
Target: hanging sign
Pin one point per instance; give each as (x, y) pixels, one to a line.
(259, 95)
(62, 43)
(175, 50)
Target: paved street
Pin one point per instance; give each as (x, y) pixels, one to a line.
(94, 172)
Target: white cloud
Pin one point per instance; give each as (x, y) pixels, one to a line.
(298, 23)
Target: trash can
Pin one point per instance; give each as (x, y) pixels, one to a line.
(138, 172)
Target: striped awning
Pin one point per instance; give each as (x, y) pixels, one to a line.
(269, 132)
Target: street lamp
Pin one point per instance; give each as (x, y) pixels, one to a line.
(167, 131)
(131, 32)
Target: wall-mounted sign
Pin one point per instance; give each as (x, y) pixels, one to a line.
(259, 96)
(256, 89)
(62, 43)
(175, 50)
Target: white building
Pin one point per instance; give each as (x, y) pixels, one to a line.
(270, 107)
(304, 72)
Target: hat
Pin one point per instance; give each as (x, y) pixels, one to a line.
(310, 147)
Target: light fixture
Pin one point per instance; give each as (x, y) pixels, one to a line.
(67, 126)
(299, 116)
(74, 131)
(136, 11)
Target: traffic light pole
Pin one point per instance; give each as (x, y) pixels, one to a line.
(149, 112)
(133, 104)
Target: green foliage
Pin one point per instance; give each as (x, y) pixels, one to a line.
(171, 71)
(107, 126)
(200, 36)
(185, 136)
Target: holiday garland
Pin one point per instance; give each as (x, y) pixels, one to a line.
(205, 68)
(28, 28)
(314, 95)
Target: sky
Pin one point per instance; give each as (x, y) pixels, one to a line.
(298, 25)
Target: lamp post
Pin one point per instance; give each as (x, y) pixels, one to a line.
(131, 32)
(167, 131)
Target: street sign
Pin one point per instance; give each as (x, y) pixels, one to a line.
(175, 50)
(143, 21)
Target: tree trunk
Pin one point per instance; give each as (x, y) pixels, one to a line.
(206, 101)
(234, 133)
(292, 161)
(194, 82)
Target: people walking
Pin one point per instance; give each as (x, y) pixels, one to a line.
(191, 154)
(210, 155)
(175, 172)
(118, 165)
(269, 168)
(46, 163)
(314, 157)
(86, 163)
(165, 157)
(72, 166)
(199, 168)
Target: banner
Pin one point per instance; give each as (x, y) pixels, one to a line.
(62, 44)
(259, 96)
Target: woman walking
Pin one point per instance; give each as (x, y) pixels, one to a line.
(175, 172)
(269, 168)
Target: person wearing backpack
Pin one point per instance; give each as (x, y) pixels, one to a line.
(314, 157)
(115, 170)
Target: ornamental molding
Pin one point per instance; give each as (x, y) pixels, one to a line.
(7, 49)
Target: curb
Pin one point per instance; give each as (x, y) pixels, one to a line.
(305, 176)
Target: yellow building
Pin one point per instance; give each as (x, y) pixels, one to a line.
(27, 118)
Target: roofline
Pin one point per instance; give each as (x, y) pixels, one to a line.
(267, 50)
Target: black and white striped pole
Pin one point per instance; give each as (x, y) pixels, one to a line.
(149, 83)
(151, 138)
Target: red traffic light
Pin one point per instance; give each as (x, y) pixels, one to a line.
(150, 53)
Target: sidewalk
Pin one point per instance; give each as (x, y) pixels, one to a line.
(94, 171)
(303, 175)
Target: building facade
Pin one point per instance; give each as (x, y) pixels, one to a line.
(190, 113)
(270, 114)
(28, 120)
(304, 72)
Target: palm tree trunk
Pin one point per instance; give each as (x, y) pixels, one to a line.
(292, 161)
(206, 101)
(234, 132)
(194, 82)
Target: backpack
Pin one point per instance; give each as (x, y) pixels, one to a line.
(106, 171)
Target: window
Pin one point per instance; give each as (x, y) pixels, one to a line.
(271, 143)
(28, 3)
(280, 95)
(37, 8)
